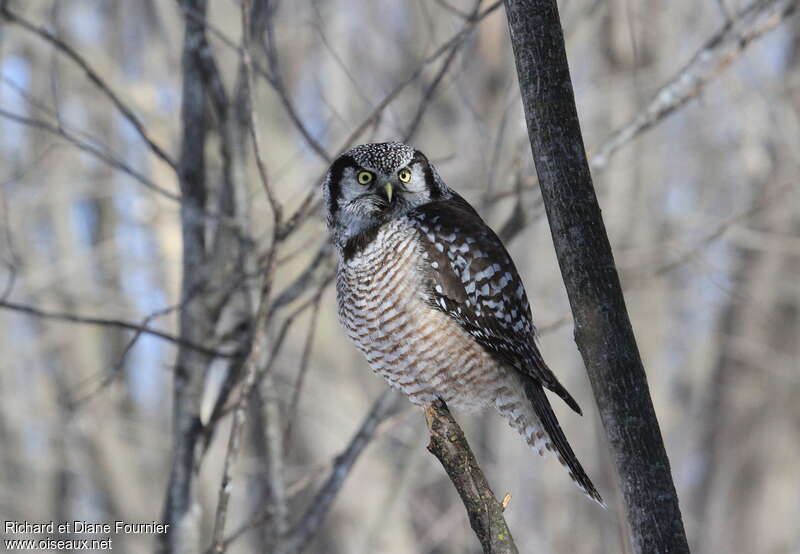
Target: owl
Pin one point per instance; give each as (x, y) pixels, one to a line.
(427, 291)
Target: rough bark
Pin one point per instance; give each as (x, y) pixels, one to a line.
(450, 446)
(602, 328)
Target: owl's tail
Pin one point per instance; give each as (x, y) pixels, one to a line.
(543, 410)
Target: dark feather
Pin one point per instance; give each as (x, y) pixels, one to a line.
(544, 411)
(474, 281)
(359, 242)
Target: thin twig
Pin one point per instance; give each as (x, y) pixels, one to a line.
(252, 375)
(118, 323)
(429, 92)
(291, 414)
(318, 270)
(114, 162)
(718, 232)
(272, 431)
(452, 9)
(264, 515)
(431, 88)
(240, 414)
(95, 151)
(219, 411)
(279, 87)
(252, 123)
(271, 77)
(301, 484)
(111, 374)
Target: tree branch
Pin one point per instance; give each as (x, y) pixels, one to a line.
(93, 76)
(718, 52)
(252, 377)
(450, 446)
(252, 123)
(308, 206)
(430, 90)
(308, 525)
(101, 154)
(118, 323)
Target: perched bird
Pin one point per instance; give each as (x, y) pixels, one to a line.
(427, 291)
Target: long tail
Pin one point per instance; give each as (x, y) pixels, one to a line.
(543, 410)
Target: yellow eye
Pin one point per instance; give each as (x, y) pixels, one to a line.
(364, 177)
(404, 175)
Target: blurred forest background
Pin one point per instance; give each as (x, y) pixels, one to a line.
(150, 265)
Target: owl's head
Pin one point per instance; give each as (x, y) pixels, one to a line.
(374, 183)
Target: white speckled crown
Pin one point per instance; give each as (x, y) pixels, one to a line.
(382, 156)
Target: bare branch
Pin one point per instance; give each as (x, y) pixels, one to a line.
(108, 376)
(431, 88)
(306, 480)
(113, 161)
(308, 206)
(89, 148)
(252, 123)
(452, 9)
(253, 376)
(450, 446)
(308, 525)
(230, 383)
(725, 46)
(118, 323)
(318, 270)
(240, 414)
(271, 77)
(93, 76)
(202, 268)
(762, 203)
(291, 414)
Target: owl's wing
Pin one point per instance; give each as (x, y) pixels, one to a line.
(475, 282)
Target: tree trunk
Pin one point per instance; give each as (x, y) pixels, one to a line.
(196, 322)
(602, 329)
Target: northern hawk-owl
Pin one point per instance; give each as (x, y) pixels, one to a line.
(427, 291)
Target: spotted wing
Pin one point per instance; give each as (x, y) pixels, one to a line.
(475, 282)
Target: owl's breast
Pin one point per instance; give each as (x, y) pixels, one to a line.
(377, 287)
(385, 310)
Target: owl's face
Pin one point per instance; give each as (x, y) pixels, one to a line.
(375, 183)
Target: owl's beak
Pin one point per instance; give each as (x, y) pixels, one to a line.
(388, 188)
